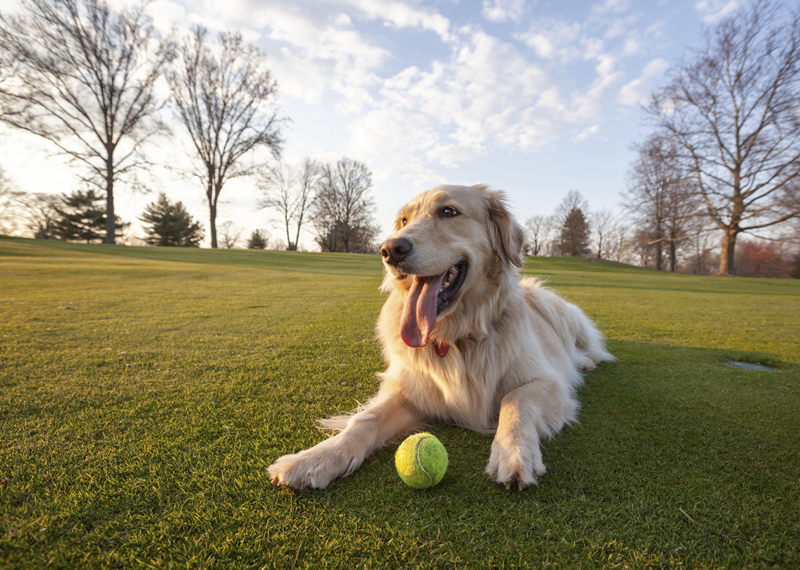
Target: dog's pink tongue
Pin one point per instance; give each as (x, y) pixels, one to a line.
(419, 312)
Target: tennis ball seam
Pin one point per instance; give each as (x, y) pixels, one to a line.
(419, 459)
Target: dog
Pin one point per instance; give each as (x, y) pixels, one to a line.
(466, 341)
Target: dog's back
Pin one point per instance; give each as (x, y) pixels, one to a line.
(578, 334)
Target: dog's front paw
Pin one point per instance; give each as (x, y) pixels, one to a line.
(313, 468)
(515, 466)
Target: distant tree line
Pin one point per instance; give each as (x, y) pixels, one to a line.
(334, 199)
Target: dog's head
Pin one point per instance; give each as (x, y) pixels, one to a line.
(450, 243)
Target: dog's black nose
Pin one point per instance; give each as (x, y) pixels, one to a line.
(395, 250)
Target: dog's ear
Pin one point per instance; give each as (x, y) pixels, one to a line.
(506, 234)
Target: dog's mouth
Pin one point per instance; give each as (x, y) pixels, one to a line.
(427, 298)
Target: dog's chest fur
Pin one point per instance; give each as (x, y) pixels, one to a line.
(469, 382)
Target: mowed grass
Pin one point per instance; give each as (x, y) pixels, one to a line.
(144, 392)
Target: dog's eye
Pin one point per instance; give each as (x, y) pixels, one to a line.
(404, 221)
(448, 212)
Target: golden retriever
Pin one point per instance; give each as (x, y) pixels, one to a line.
(466, 342)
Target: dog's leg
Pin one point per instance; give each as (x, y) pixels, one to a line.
(533, 411)
(386, 416)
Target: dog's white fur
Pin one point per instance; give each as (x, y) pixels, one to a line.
(516, 349)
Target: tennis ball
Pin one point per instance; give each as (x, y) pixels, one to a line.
(421, 460)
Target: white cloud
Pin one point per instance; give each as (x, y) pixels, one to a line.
(608, 6)
(165, 14)
(502, 10)
(637, 92)
(585, 133)
(714, 10)
(404, 15)
(554, 39)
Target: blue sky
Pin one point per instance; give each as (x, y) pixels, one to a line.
(533, 97)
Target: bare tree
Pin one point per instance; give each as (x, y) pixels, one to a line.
(660, 198)
(732, 113)
(602, 223)
(224, 95)
(538, 230)
(618, 243)
(344, 209)
(290, 193)
(230, 234)
(41, 213)
(83, 79)
(702, 252)
(10, 200)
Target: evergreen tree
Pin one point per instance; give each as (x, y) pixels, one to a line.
(575, 234)
(81, 216)
(258, 240)
(170, 224)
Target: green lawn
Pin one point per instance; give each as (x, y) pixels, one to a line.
(144, 392)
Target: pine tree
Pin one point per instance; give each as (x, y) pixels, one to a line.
(169, 224)
(81, 216)
(575, 234)
(258, 240)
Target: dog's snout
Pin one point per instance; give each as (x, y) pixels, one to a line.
(395, 250)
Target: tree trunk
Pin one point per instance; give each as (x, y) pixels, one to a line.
(213, 211)
(111, 218)
(289, 245)
(673, 254)
(297, 236)
(659, 256)
(726, 256)
(212, 207)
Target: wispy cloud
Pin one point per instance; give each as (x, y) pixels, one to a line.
(503, 10)
(481, 92)
(712, 11)
(638, 91)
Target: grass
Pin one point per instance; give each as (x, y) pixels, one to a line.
(144, 392)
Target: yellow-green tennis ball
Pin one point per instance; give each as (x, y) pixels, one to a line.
(421, 460)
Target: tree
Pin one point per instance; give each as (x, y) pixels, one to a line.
(362, 239)
(169, 224)
(661, 199)
(538, 230)
(602, 223)
(230, 234)
(343, 211)
(573, 229)
(82, 217)
(764, 259)
(258, 240)
(224, 96)
(84, 78)
(9, 202)
(41, 211)
(291, 194)
(732, 113)
(575, 234)
(618, 246)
